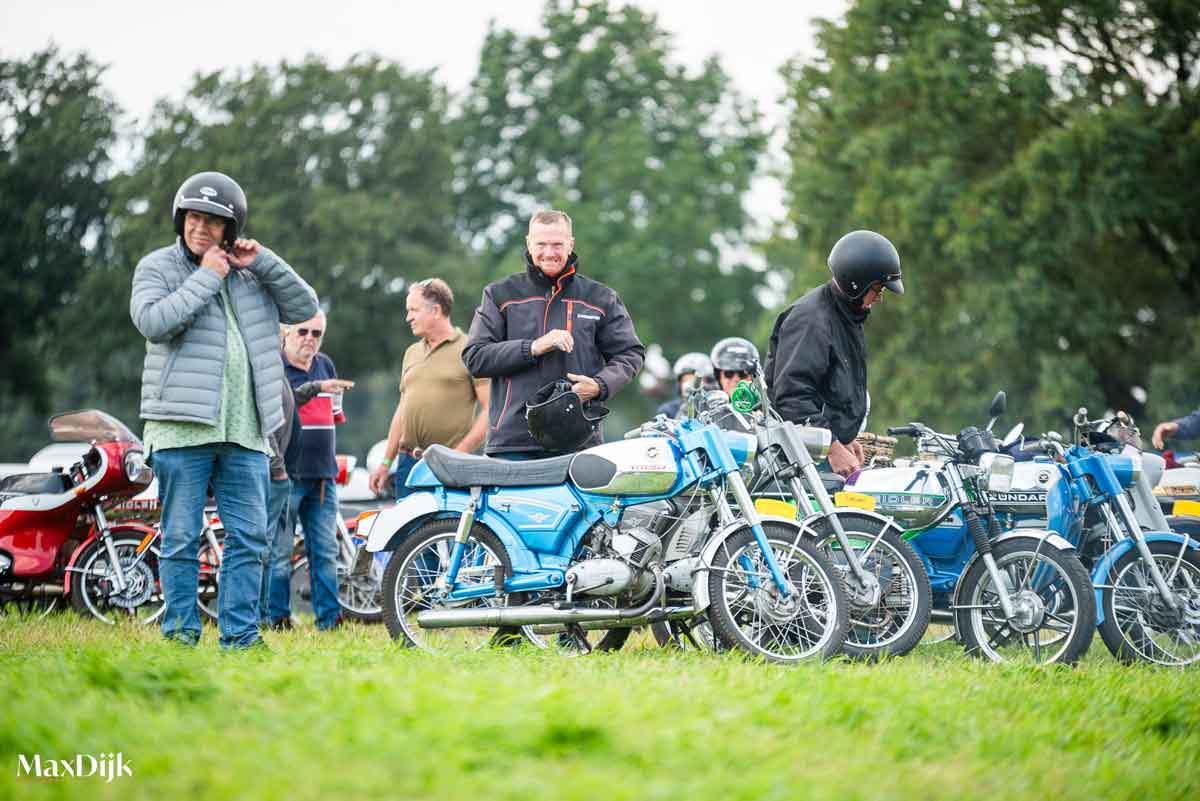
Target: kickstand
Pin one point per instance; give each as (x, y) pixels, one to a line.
(576, 633)
(687, 632)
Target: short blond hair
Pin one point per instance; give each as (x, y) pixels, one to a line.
(550, 217)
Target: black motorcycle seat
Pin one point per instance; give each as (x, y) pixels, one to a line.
(456, 469)
(833, 482)
(34, 484)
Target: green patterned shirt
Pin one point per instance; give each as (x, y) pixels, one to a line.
(237, 418)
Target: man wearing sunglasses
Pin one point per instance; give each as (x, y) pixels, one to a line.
(817, 360)
(313, 502)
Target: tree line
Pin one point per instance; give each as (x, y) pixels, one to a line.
(1037, 167)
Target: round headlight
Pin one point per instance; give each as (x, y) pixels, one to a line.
(135, 466)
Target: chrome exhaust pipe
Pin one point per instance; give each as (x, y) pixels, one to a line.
(497, 616)
(654, 616)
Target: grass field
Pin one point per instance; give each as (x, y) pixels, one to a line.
(349, 715)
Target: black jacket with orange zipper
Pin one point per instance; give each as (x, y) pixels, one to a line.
(518, 309)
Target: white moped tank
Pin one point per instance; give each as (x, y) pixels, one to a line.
(643, 466)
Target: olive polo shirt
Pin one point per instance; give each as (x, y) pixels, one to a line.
(437, 394)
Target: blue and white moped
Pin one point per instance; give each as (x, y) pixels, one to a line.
(492, 551)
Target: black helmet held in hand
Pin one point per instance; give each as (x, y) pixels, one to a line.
(862, 258)
(558, 420)
(735, 353)
(212, 193)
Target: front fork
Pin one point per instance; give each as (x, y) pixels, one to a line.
(825, 504)
(983, 545)
(1135, 529)
(750, 514)
(114, 560)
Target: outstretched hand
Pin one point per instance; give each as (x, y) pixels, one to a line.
(1161, 432)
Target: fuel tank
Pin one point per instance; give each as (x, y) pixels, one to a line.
(643, 466)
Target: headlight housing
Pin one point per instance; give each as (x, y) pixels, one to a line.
(998, 469)
(136, 469)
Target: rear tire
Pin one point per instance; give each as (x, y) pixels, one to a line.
(410, 586)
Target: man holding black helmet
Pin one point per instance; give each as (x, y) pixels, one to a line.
(817, 360)
(543, 325)
(209, 307)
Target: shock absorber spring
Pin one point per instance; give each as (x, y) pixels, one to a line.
(978, 532)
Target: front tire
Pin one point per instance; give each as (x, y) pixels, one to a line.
(1138, 625)
(1055, 604)
(93, 582)
(747, 611)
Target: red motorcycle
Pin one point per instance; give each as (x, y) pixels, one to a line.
(56, 540)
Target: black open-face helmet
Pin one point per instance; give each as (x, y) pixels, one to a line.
(558, 420)
(212, 193)
(735, 353)
(862, 258)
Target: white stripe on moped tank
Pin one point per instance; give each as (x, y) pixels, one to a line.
(389, 521)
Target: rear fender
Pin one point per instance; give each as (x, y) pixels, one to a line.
(700, 599)
(1105, 565)
(389, 528)
(137, 529)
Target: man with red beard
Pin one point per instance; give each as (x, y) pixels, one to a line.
(548, 323)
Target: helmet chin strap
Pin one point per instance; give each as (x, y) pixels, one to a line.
(857, 301)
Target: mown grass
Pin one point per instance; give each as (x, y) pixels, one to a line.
(350, 715)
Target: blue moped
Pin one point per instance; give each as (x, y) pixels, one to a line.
(487, 549)
(1147, 582)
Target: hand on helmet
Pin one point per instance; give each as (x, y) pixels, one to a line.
(244, 252)
(216, 260)
(584, 386)
(557, 339)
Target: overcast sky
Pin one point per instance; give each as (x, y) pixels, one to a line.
(153, 48)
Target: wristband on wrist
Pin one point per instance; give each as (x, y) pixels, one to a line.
(386, 462)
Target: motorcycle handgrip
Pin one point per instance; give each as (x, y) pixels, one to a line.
(903, 431)
(633, 434)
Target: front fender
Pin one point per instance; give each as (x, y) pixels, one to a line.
(142, 531)
(398, 520)
(1104, 566)
(700, 583)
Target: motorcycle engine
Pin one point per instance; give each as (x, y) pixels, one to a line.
(619, 566)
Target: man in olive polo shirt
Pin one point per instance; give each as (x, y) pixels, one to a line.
(437, 394)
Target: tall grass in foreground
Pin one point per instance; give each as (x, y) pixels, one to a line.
(349, 715)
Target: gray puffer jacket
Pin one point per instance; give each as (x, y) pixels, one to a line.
(176, 305)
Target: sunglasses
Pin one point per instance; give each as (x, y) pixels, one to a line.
(735, 374)
(303, 332)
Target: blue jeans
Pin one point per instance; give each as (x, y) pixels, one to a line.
(277, 575)
(314, 505)
(404, 465)
(239, 478)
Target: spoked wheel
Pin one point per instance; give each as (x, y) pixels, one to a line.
(748, 611)
(889, 612)
(210, 574)
(360, 596)
(1138, 623)
(415, 580)
(573, 641)
(693, 634)
(1054, 605)
(94, 589)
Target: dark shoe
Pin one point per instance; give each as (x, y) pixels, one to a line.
(280, 624)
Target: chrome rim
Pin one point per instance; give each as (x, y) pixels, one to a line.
(1149, 627)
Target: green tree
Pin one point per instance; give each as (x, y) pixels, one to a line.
(1019, 191)
(591, 115)
(347, 172)
(56, 128)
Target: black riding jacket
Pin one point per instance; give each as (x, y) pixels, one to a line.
(817, 363)
(518, 309)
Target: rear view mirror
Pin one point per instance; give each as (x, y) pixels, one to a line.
(999, 405)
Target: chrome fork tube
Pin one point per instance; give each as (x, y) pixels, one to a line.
(1139, 542)
(114, 561)
(825, 504)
